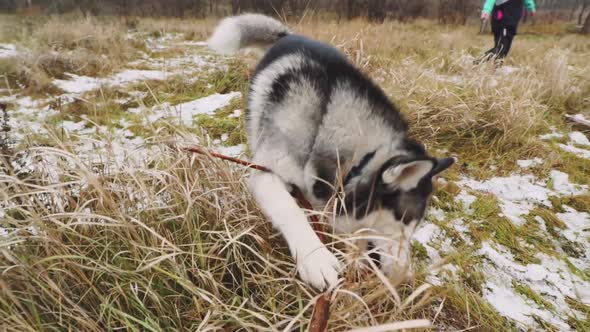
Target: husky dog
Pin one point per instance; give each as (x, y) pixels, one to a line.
(324, 128)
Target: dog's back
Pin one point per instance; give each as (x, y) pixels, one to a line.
(312, 112)
(322, 126)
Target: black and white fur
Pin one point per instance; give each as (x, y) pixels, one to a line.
(325, 128)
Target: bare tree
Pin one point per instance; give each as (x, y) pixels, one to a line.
(586, 27)
(585, 5)
(375, 10)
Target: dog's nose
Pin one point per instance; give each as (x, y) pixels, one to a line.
(374, 254)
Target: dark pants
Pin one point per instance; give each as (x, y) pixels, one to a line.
(503, 36)
(505, 19)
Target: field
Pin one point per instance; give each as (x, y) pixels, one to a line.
(106, 223)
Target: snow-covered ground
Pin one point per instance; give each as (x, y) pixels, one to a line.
(117, 148)
(114, 147)
(7, 50)
(518, 194)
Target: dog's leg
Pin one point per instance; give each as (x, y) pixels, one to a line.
(315, 263)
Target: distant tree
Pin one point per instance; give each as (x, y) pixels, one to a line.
(584, 5)
(586, 27)
(8, 5)
(376, 10)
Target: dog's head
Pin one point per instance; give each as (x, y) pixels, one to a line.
(391, 203)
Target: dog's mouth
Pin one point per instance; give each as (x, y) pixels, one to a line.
(374, 254)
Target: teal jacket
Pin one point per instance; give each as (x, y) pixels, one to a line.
(489, 5)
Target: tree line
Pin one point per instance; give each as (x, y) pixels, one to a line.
(446, 11)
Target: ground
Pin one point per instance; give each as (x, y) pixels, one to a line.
(107, 223)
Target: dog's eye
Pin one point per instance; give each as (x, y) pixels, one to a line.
(373, 254)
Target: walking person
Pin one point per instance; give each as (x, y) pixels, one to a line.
(505, 15)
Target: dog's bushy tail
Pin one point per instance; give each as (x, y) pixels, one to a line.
(248, 30)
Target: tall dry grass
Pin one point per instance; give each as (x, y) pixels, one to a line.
(59, 45)
(428, 70)
(176, 243)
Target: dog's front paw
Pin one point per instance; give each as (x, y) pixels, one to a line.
(319, 268)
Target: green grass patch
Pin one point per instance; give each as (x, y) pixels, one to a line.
(530, 294)
(524, 242)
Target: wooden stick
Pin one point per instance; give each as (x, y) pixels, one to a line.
(321, 309)
(321, 313)
(228, 158)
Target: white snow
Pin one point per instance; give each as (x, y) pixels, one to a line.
(78, 84)
(232, 151)
(550, 279)
(535, 272)
(206, 105)
(193, 43)
(582, 153)
(437, 214)
(579, 138)
(553, 134)
(578, 226)
(426, 233)
(563, 186)
(518, 194)
(73, 126)
(8, 51)
(529, 162)
(507, 70)
(465, 199)
(235, 114)
(132, 75)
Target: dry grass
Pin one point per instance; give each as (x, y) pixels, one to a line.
(177, 243)
(428, 70)
(82, 46)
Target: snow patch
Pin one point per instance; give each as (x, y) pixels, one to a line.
(518, 194)
(206, 105)
(529, 163)
(465, 199)
(582, 153)
(578, 226)
(579, 138)
(552, 135)
(232, 151)
(563, 186)
(437, 214)
(79, 84)
(132, 75)
(550, 279)
(186, 111)
(193, 43)
(73, 126)
(235, 114)
(8, 51)
(506, 70)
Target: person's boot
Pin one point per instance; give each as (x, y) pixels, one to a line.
(498, 62)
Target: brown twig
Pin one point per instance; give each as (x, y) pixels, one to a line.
(228, 158)
(321, 310)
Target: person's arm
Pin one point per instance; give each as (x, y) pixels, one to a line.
(489, 5)
(530, 5)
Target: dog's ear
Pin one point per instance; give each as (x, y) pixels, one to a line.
(407, 175)
(443, 164)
